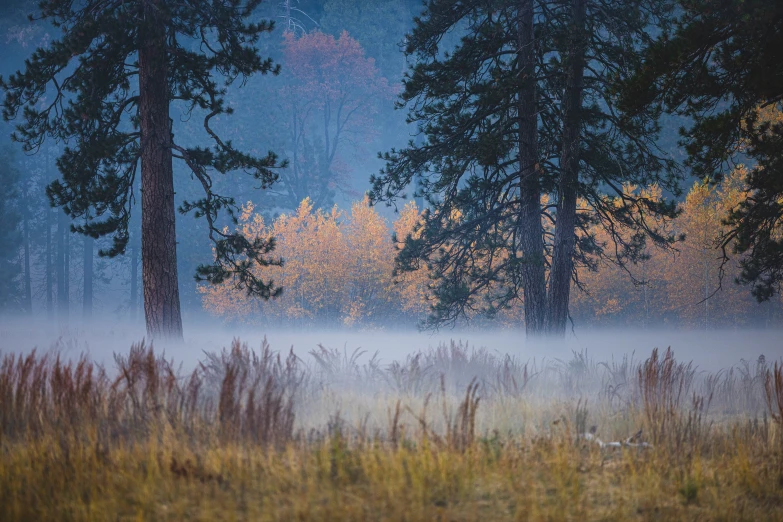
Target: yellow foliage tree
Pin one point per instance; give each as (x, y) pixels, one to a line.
(338, 269)
(413, 288)
(613, 294)
(691, 286)
(699, 293)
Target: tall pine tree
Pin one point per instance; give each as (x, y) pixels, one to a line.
(519, 127)
(105, 89)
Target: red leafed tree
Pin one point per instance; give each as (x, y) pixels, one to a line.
(329, 99)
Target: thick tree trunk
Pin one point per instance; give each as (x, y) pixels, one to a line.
(565, 229)
(88, 277)
(530, 228)
(158, 234)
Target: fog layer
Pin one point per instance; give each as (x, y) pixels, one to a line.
(710, 350)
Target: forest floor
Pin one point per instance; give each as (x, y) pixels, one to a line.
(453, 433)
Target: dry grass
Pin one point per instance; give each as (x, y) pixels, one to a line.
(453, 433)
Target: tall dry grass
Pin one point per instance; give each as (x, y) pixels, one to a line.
(450, 433)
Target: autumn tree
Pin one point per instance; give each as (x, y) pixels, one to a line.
(339, 270)
(699, 259)
(379, 26)
(315, 245)
(631, 293)
(105, 89)
(679, 287)
(695, 287)
(329, 97)
(371, 258)
(413, 286)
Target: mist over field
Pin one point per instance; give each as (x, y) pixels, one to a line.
(710, 351)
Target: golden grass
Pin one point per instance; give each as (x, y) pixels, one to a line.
(261, 437)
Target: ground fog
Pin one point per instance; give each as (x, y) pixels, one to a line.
(709, 350)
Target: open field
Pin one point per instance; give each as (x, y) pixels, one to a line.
(447, 433)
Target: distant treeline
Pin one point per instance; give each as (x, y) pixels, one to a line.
(340, 271)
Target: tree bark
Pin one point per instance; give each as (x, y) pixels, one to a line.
(158, 233)
(88, 277)
(530, 228)
(565, 228)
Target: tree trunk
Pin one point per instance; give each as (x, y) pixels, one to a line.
(88, 277)
(158, 234)
(706, 294)
(565, 229)
(530, 229)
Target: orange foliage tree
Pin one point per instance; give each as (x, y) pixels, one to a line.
(690, 286)
(702, 295)
(338, 270)
(613, 293)
(414, 286)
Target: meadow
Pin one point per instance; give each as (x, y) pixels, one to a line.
(453, 432)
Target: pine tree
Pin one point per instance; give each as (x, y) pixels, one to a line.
(111, 81)
(519, 114)
(717, 66)
(599, 153)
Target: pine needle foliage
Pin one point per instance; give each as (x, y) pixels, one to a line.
(718, 66)
(503, 158)
(82, 89)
